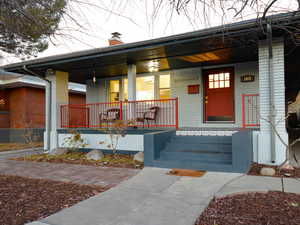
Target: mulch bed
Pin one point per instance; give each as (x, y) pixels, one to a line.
(119, 160)
(19, 146)
(272, 208)
(255, 170)
(23, 200)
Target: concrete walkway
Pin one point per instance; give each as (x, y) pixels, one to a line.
(154, 198)
(259, 184)
(149, 198)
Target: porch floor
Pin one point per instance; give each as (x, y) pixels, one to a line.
(214, 129)
(209, 131)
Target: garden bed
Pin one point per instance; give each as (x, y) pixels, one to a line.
(255, 170)
(23, 200)
(271, 208)
(19, 146)
(109, 160)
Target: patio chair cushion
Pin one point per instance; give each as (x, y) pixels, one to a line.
(151, 113)
(113, 115)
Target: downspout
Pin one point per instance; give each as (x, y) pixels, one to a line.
(49, 107)
(271, 91)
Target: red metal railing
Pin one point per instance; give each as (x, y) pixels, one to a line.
(74, 116)
(144, 113)
(250, 110)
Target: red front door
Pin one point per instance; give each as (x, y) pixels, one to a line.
(219, 95)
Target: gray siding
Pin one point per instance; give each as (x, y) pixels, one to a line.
(244, 87)
(190, 106)
(96, 92)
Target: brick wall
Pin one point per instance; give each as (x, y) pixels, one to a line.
(26, 107)
(4, 107)
(17, 107)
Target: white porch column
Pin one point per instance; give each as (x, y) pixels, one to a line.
(265, 154)
(131, 82)
(59, 96)
(47, 116)
(131, 76)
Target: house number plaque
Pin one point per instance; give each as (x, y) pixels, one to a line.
(247, 78)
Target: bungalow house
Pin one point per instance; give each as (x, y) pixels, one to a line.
(207, 99)
(22, 106)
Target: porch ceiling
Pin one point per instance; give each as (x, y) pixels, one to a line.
(177, 56)
(232, 43)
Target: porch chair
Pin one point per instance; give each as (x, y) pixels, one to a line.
(109, 116)
(148, 115)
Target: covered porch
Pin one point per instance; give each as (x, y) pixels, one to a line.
(213, 83)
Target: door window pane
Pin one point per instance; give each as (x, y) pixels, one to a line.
(216, 85)
(227, 76)
(227, 83)
(220, 80)
(221, 83)
(221, 76)
(145, 88)
(216, 77)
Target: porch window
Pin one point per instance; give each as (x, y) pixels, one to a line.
(164, 87)
(114, 90)
(219, 80)
(145, 88)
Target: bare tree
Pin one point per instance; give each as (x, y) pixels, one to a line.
(290, 152)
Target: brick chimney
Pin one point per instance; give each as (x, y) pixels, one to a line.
(115, 39)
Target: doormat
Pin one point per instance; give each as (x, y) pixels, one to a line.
(186, 173)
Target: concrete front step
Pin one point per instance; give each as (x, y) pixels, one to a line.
(212, 153)
(202, 139)
(205, 132)
(193, 164)
(201, 147)
(200, 156)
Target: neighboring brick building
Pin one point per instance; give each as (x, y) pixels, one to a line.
(22, 106)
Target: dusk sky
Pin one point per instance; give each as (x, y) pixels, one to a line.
(136, 21)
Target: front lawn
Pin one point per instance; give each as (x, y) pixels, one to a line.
(109, 160)
(23, 200)
(271, 208)
(19, 146)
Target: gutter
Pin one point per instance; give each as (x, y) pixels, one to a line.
(2, 71)
(49, 118)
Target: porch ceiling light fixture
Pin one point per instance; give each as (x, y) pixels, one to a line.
(153, 66)
(94, 77)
